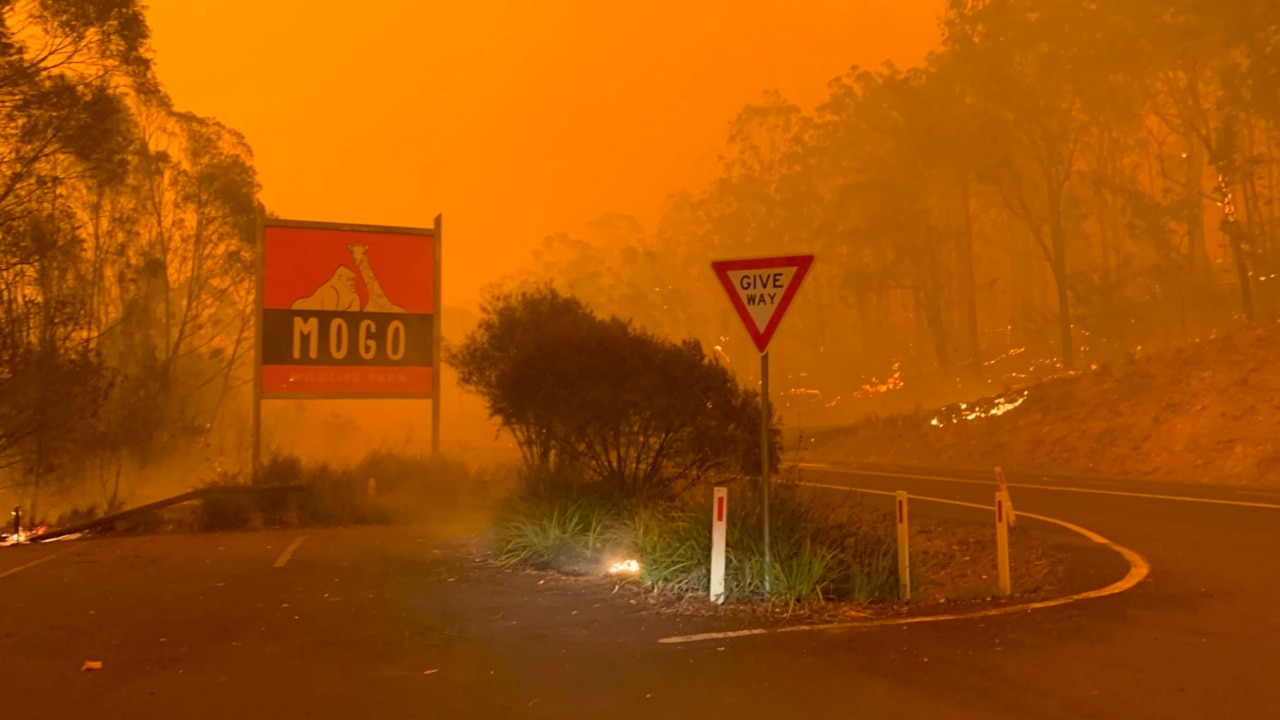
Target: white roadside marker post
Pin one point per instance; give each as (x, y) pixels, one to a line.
(1002, 543)
(1004, 488)
(719, 516)
(904, 557)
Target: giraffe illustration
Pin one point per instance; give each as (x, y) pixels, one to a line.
(339, 291)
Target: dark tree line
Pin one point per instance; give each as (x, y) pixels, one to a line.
(126, 231)
(1062, 183)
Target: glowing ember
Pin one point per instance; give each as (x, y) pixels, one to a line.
(1012, 353)
(629, 567)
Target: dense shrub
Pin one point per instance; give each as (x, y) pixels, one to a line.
(602, 402)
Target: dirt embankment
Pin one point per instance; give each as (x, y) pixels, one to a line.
(1205, 412)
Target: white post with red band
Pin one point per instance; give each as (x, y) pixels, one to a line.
(719, 517)
(904, 556)
(1002, 542)
(1004, 488)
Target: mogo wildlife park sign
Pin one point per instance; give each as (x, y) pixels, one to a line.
(347, 311)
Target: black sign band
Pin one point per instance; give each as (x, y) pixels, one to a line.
(322, 337)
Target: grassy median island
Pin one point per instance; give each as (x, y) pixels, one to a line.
(818, 551)
(623, 434)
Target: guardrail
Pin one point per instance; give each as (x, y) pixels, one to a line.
(201, 494)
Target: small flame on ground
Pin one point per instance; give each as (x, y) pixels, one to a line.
(1002, 405)
(24, 536)
(876, 387)
(625, 566)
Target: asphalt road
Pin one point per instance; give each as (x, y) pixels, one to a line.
(401, 623)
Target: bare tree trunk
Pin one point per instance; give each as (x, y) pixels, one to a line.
(1233, 232)
(931, 294)
(1197, 253)
(968, 291)
(1058, 263)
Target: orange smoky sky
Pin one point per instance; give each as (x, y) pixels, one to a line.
(513, 119)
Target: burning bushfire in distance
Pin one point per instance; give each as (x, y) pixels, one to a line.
(878, 387)
(19, 534)
(987, 407)
(22, 536)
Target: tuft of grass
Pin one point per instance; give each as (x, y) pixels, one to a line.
(565, 533)
(815, 553)
(803, 574)
(673, 547)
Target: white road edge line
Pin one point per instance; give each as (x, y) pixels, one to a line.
(33, 563)
(1149, 496)
(288, 552)
(1138, 571)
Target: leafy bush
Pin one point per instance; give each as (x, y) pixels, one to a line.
(600, 401)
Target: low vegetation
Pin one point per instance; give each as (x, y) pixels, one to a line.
(818, 552)
(622, 434)
(380, 489)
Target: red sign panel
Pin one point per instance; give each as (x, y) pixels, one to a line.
(348, 311)
(761, 290)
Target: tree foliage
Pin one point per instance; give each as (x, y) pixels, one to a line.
(597, 398)
(126, 239)
(1060, 184)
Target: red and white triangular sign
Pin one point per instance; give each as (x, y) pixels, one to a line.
(761, 290)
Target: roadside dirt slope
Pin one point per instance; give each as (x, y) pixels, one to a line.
(1207, 412)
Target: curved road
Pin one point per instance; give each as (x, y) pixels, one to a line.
(396, 622)
(1199, 638)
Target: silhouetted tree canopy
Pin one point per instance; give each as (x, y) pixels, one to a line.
(126, 240)
(599, 399)
(1060, 184)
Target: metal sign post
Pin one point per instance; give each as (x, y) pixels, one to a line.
(764, 462)
(437, 311)
(904, 550)
(1002, 545)
(761, 290)
(256, 461)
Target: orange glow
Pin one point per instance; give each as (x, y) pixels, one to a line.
(514, 120)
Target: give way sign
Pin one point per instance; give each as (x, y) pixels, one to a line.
(761, 290)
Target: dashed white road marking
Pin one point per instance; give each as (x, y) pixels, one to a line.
(288, 552)
(33, 563)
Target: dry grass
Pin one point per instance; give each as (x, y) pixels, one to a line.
(1203, 412)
